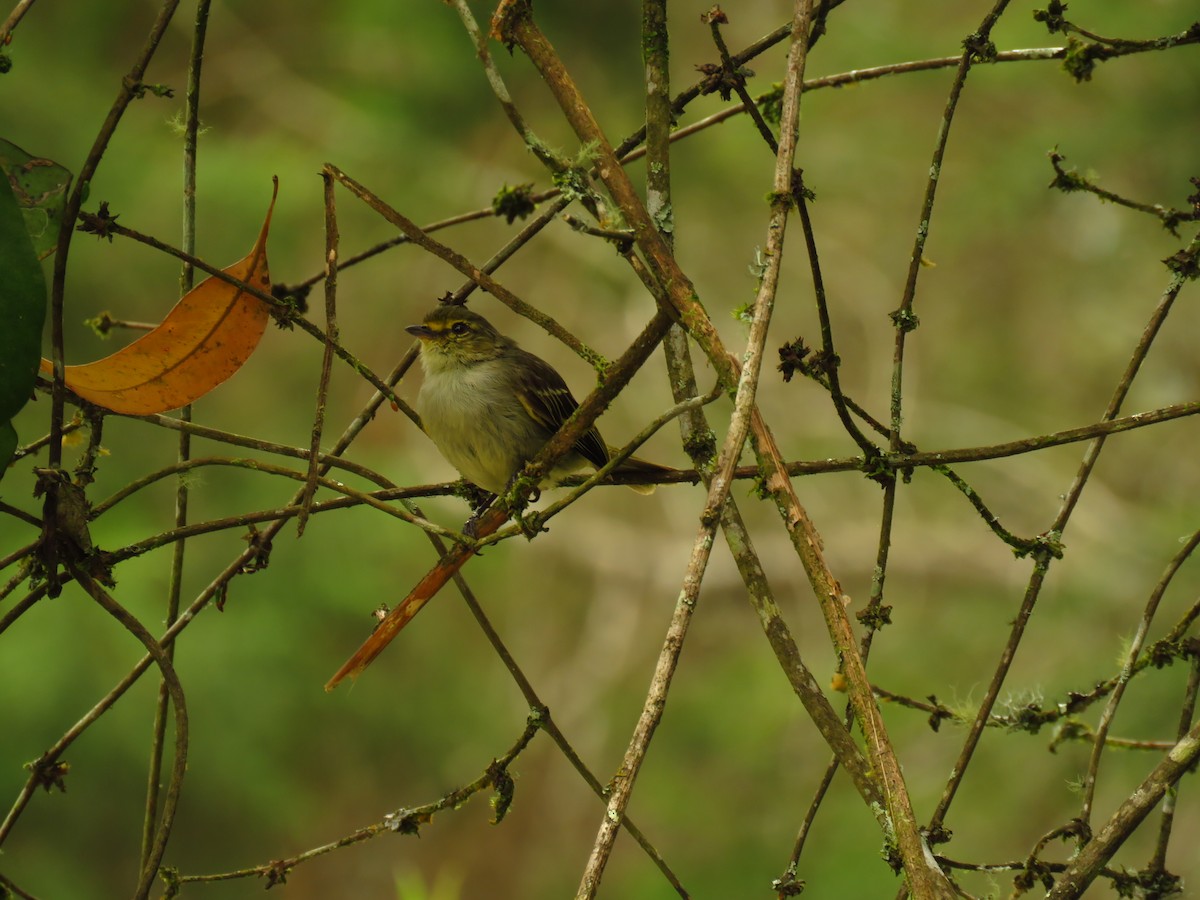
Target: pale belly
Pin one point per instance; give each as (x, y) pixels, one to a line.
(486, 442)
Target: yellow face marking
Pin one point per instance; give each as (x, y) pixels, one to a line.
(450, 327)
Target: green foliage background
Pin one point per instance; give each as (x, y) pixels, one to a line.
(1027, 321)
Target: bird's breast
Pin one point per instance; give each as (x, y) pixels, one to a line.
(476, 421)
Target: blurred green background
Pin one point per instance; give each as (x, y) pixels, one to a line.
(1027, 322)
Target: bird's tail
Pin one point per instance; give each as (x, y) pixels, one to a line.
(642, 469)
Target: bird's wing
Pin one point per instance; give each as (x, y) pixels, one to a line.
(548, 400)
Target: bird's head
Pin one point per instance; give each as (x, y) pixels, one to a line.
(452, 334)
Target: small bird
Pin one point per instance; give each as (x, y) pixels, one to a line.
(490, 406)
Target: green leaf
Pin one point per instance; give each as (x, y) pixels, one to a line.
(22, 314)
(8, 445)
(40, 186)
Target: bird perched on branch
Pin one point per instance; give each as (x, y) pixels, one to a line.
(490, 406)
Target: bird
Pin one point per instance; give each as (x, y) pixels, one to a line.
(490, 406)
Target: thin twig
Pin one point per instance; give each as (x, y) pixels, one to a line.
(13, 20)
(1158, 860)
(1072, 181)
(533, 520)
(149, 868)
(734, 78)
(486, 212)
(327, 460)
(1027, 445)
(32, 447)
(186, 282)
(5, 882)
(331, 338)
(904, 318)
(17, 513)
(1131, 657)
(303, 477)
(407, 820)
(22, 573)
(548, 724)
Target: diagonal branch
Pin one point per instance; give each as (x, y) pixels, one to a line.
(1086, 865)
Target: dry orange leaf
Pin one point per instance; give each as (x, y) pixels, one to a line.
(207, 337)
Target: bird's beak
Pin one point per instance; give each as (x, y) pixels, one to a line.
(424, 332)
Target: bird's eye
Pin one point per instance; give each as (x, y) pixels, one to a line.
(460, 327)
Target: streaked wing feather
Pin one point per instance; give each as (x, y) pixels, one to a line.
(549, 401)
